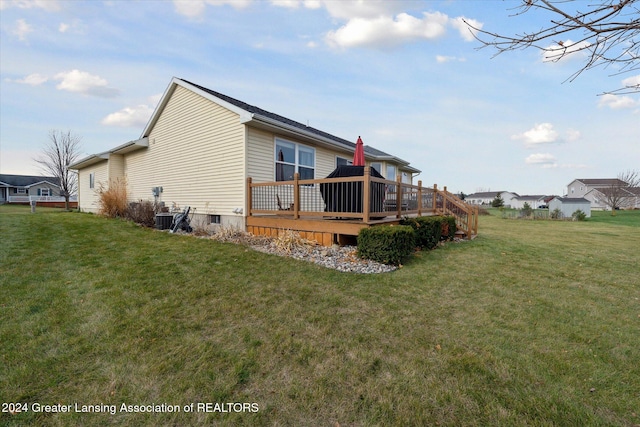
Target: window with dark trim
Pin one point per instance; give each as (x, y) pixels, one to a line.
(291, 157)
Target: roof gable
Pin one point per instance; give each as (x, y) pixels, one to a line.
(251, 113)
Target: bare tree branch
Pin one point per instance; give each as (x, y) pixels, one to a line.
(607, 33)
(621, 193)
(62, 149)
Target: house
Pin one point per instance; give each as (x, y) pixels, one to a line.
(25, 188)
(580, 187)
(628, 197)
(568, 205)
(200, 147)
(486, 197)
(534, 202)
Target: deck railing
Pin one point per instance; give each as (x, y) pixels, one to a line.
(366, 198)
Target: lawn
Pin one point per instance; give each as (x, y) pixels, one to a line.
(532, 323)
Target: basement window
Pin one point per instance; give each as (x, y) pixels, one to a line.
(214, 219)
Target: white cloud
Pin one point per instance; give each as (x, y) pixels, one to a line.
(371, 9)
(34, 79)
(441, 59)
(467, 33)
(617, 102)
(571, 135)
(542, 133)
(82, 82)
(545, 160)
(22, 29)
(63, 27)
(49, 5)
(196, 8)
(291, 4)
(129, 117)
(385, 31)
(633, 81)
(563, 51)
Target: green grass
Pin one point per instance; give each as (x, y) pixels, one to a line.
(532, 323)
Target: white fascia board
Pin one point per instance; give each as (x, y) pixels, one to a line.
(130, 146)
(42, 182)
(88, 161)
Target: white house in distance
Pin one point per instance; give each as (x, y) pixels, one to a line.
(486, 197)
(534, 202)
(568, 205)
(200, 146)
(629, 197)
(580, 187)
(26, 188)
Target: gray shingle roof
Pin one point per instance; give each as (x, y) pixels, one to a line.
(256, 110)
(602, 181)
(25, 180)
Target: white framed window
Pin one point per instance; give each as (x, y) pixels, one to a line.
(92, 180)
(44, 192)
(291, 157)
(391, 172)
(341, 161)
(21, 191)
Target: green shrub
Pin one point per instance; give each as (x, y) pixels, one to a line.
(431, 229)
(579, 215)
(556, 214)
(449, 228)
(389, 244)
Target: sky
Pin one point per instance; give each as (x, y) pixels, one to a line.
(406, 76)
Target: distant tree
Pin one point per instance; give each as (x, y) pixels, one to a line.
(62, 149)
(606, 31)
(497, 202)
(462, 196)
(616, 195)
(527, 210)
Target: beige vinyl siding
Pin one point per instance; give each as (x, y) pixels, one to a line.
(260, 155)
(88, 197)
(196, 154)
(116, 166)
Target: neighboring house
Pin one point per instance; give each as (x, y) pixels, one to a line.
(580, 187)
(23, 188)
(568, 205)
(629, 197)
(535, 202)
(200, 146)
(486, 197)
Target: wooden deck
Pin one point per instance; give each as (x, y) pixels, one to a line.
(335, 210)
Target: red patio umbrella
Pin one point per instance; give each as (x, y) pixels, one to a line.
(358, 155)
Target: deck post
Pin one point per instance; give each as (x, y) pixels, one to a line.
(249, 201)
(435, 199)
(366, 196)
(296, 196)
(475, 221)
(420, 198)
(444, 200)
(398, 196)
